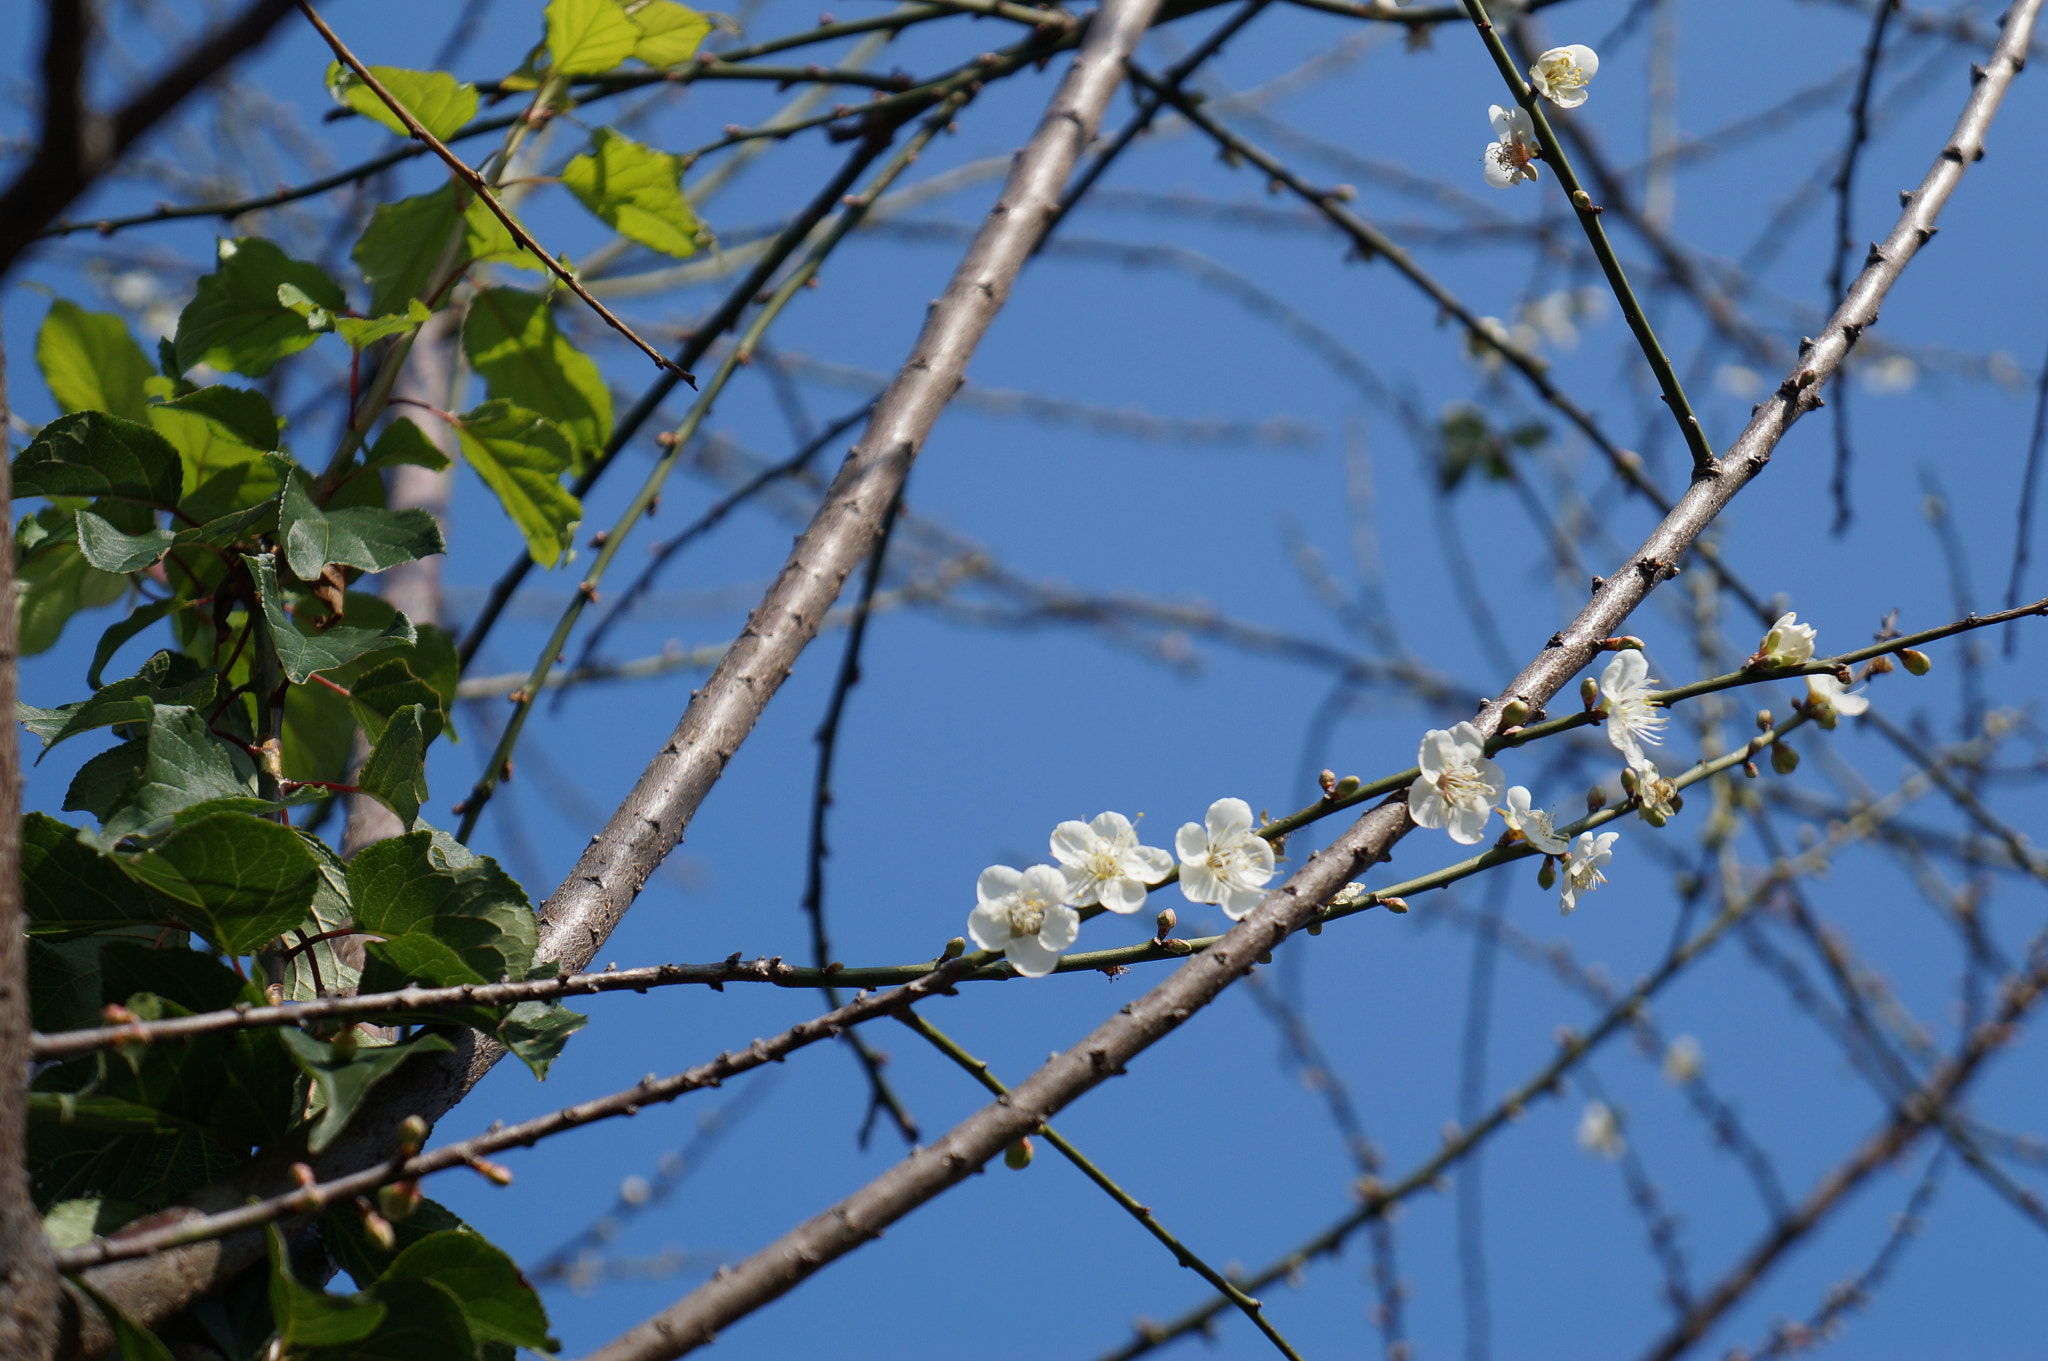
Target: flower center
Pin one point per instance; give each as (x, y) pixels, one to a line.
(1564, 76)
(1462, 786)
(1027, 915)
(1103, 862)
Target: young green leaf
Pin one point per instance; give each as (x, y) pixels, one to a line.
(344, 1076)
(140, 618)
(636, 190)
(669, 33)
(236, 321)
(365, 538)
(586, 37)
(521, 457)
(186, 766)
(167, 678)
(440, 102)
(382, 690)
(302, 654)
(396, 772)
(316, 967)
(401, 251)
(404, 442)
(108, 549)
(74, 1223)
(447, 916)
(240, 881)
(511, 339)
(57, 582)
(90, 453)
(306, 1316)
(537, 1031)
(69, 889)
(221, 434)
(91, 362)
(363, 331)
(496, 1300)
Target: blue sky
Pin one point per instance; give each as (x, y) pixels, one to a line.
(966, 743)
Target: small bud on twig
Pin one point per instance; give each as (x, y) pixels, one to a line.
(1589, 693)
(1917, 662)
(1017, 1156)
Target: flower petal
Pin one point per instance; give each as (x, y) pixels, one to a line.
(989, 926)
(1229, 821)
(1044, 881)
(1199, 883)
(1585, 58)
(1192, 843)
(1125, 895)
(1114, 828)
(1427, 805)
(1436, 754)
(1258, 856)
(1148, 863)
(1083, 888)
(1030, 958)
(1072, 842)
(1238, 902)
(996, 881)
(1062, 926)
(1468, 823)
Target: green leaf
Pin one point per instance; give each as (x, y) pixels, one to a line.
(317, 969)
(140, 618)
(440, 102)
(64, 984)
(302, 654)
(69, 888)
(91, 362)
(221, 434)
(425, 1323)
(586, 37)
(511, 339)
(636, 190)
(74, 1223)
(57, 582)
(447, 916)
(404, 442)
(307, 1316)
(233, 527)
(384, 689)
(365, 538)
(101, 785)
(521, 457)
(669, 33)
(131, 1339)
(537, 1032)
(108, 549)
(362, 1256)
(496, 1299)
(186, 766)
(90, 453)
(396, 773)
(236, 321)
(400, 250)
(242, 881)
(168, 678)
(361, 332)
(344, 1076)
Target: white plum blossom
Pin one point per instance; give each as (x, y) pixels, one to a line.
(1827, 699)
(1789, 643)
(1582, 868)
(1458, 784)
(1599, 1132)
(1632, 718)
(1103, 863)
(1683, 1060)
(1023, 914)
(1657, 798)
(1562, 74)
(1224, 862)
(1534, 824)
(1508, 158)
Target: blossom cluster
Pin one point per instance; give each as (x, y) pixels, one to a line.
(1560, 76)
(1034, 915)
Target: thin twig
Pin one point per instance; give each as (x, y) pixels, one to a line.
(1845, 180)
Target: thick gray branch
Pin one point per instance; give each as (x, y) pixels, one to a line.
(805, 1249)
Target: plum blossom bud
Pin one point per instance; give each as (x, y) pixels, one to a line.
(1596, 798)
(1599, 1132)
(1916, 661)
(1784, 759)
(1789, 643)
(955, 948)
(497, 1174)
(378, 1227)
(1328, 782)
(1514, 714)
(1589, 692)
(1348, 786)
(1166, 921)
(1546, 874)
(1682, 1060)
(1017, 1156)
(412, 1136)
(1765, 720)
(397, 1201)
